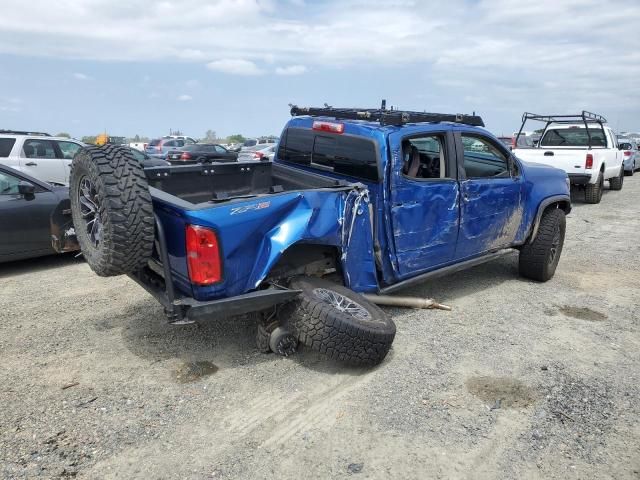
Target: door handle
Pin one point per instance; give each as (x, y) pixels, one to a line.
(31, 164)
(549, 154)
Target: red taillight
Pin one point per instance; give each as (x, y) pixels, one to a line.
(185, 156)
(159, 147)
(589, 162)
(203, 256)
(258, 154)
(328, 126)
(627, 153)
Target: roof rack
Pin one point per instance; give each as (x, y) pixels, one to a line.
(386, 117)
(20, 132)
(585, 117)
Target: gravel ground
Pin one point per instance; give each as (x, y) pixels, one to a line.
(520, 380)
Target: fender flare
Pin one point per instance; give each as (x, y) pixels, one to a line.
(542, 207)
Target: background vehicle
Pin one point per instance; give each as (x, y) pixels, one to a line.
(26, 209)
(201, 153)
(138, 145)
(38, 154)
(104, 138)
(523, 141)
(631, 155)
(146, 161)
(265, 151)
(160, 147)
(380, 204)
(583, 146)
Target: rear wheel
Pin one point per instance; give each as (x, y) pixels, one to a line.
(616, 183)
(593, 191)
(339, 322)
(111, 209)
(539, 258)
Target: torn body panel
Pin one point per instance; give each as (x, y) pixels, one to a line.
(253, 239)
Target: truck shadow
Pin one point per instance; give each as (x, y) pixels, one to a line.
(230, 342)
(578, 196)
(38, 264)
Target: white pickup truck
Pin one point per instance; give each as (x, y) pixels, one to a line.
(581, 145)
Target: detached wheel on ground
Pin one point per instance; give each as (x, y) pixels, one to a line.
(616, 183)
(539, 259)
(111, 209)
(338, 322)
(593, 191)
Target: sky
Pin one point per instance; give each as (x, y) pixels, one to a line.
(233, 66)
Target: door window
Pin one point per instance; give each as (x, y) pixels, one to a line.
(8, 184)
(220, 149)
(68, 149)
(39, 149)
(424, 157)
(483, 159)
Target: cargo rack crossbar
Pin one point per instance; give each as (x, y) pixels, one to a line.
(585, 118)
(386, 116)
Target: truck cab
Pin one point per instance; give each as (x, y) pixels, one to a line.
(441, 194)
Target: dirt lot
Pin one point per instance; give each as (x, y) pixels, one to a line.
(520, 380)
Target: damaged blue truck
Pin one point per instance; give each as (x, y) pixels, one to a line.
(356, 201)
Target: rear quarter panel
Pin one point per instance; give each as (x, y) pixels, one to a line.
(254, 234)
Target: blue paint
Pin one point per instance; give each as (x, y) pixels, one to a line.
(415, 226)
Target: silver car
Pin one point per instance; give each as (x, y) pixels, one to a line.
(264, 152)
(631, 154)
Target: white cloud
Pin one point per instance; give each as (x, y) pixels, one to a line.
(291, 70)
(235, 66)
(184, 98)
(541, 54)
(81, 76)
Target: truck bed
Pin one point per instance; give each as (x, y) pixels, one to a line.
(206, 184)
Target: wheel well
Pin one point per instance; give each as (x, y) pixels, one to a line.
(602, 167)
(563, 205)
(305, 259)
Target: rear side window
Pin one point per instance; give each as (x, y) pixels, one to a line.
(39, 149)
(343, 154)
(573, 137)
(6, 144)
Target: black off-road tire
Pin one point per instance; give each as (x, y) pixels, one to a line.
(617, 182)
(320, 325)
(539, 259)
(593, 191)
(121, 194)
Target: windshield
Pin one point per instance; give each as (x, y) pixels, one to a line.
(153, 143)
(573, 137)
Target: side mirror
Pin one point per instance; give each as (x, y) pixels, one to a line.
(27, 189)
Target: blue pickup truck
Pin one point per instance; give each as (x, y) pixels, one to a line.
(356, 201)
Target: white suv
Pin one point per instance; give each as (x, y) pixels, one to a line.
(38, 154)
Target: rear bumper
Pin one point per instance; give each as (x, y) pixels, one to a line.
(180, 309)
(579, 178)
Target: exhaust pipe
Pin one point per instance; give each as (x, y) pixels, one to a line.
(410, 302)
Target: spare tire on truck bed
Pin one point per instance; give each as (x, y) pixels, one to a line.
(111, 209)
(339, 322)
